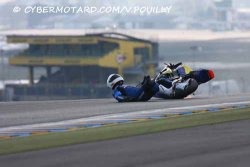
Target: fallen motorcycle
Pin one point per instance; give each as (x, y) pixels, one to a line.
(177, 81)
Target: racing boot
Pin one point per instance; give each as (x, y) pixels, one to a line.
(146, 82)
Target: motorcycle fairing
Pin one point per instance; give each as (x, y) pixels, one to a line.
(183, 70)
(202, 75)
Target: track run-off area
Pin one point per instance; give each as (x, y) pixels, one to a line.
(225, 144)
(20, 119)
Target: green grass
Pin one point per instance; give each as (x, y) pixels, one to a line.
(37, 142)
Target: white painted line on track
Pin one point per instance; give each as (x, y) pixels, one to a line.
(117, 116)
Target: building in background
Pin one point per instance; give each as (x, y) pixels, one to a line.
(77, 64)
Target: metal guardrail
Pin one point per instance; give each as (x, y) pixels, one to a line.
(20, 92)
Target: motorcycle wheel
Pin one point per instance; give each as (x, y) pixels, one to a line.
(191, 88)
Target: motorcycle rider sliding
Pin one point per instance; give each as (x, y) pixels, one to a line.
(123, 93)
(175, 81)
(143, 92)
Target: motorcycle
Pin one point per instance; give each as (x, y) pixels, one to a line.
(177, 81)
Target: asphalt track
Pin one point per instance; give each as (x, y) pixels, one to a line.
(222, 145)
(24, 113)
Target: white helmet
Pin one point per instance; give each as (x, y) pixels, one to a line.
(113, 79)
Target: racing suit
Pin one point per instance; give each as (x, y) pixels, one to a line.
(146, 91)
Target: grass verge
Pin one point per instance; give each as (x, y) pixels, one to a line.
(37, 142)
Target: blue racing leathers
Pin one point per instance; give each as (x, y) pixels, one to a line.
(123, 93)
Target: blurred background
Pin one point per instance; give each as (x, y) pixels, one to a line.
(69, 56)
